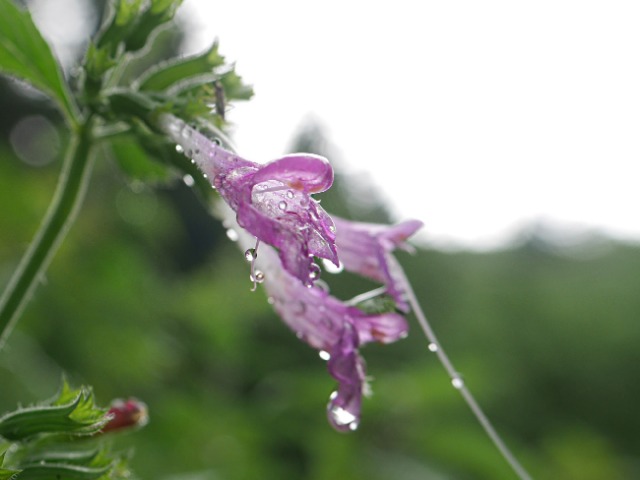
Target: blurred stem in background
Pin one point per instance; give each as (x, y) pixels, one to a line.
(70, 193)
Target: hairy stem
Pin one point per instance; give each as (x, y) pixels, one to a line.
(458, 384)
(69, 195)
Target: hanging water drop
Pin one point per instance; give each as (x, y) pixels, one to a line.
(179, 149)
(433, 347)
(250, 254)
(330, 267)
(282, 205)
(289, 194)
(341, 418)
(257, 277)
(457, 382)
(314, 272)
(324, 355)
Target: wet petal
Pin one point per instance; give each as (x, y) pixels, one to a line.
(365, 249)
(304, 172)
(348, 368)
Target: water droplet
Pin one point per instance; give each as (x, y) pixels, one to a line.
(204, 174)
(257, 277)
(433, 347)
(251, 254)
(330, 267)
(179, 149)
(282, 205)
(197, 151)
(289, 194)
(232, 235)
(342, 419)
(314, 272)
(217, 141)
(187, 132)
(188, 180)
(193, 161)
(457, 382)
(188, 152)
(324, 355)
(271, 300)
(332, 228)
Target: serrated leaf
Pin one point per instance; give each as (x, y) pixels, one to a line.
(25, 54)
(72, 412)
(169, 73)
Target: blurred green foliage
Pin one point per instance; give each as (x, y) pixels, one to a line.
(148, 298)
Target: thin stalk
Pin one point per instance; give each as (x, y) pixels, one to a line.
(70, 192)
(458, 384)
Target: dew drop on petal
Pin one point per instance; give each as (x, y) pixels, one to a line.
(188, 152)
(324, 355)
(282, 205)
(271, 300)
(433, 347)
(179, 149)
(250, 254)
(457, 382)
(232, 235)
(289, 194)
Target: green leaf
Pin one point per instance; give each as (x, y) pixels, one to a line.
(133, 22)
(25, 54)
(73, 412)
(135, 161)
(174, 71)
(59, 471)
(6, 474)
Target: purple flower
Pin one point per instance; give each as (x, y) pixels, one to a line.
(272, 201)
(365, 249)
(338, 329)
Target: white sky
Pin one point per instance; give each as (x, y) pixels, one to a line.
(473, 116)
(476, 117)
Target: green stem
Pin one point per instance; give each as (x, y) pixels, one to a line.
(69, 195)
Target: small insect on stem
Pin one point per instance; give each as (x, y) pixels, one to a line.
(220, 101)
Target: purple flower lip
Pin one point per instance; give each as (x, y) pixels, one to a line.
(272, 201)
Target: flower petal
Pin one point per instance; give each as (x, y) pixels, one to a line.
(365, 249)
(348, 368)
(304, 172)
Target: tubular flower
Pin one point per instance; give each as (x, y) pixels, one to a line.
(365, 249)
(272, 201)
(336, 328)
